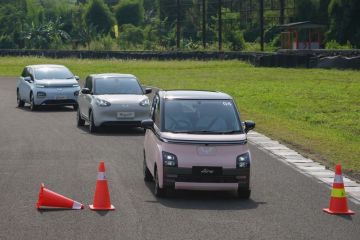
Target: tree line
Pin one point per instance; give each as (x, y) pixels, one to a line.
(169, 24)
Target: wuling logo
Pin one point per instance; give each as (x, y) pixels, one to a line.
(207, 171)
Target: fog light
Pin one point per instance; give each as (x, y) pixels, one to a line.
(76, 93)
(41, 94)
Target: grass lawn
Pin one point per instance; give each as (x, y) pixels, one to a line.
(314, 111)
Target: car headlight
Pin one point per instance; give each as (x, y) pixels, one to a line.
(76, 85)
(169, 159)
(145, 102)
(243, 161)
(102, 102)
(40, 85)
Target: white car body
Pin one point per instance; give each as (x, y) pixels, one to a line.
(112, 109)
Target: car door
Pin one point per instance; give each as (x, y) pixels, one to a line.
(22, 85)
(28, 85)
(151, 140)
(85, 99)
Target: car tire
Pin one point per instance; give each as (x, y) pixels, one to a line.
(158, 192)
(20, 103)
(243, 193)
(75, 107)
(147, 174)
(33, 106)
(79, 120)
(92, 127)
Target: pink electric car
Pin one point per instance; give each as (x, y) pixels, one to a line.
(196, 141)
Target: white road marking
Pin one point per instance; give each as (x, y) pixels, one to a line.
(304, 165)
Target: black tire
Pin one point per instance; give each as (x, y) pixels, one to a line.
(158, 192)
(75, 107)
(243, 193)
(92, 127)
(147, 174)
(33, 106)
(20, 103)
(79, 120)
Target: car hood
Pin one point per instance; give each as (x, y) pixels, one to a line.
(206, 138)
(122, 98)
(58, 82)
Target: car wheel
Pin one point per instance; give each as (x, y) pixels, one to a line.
(147, 174)
(243, 193)
(33, 106)
(20, 103)
(75, 107)
(159, 192)
(80, 121)
(92, 127)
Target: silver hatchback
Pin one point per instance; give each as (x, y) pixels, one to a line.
(112, 99)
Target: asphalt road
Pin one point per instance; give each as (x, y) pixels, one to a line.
(46, 146)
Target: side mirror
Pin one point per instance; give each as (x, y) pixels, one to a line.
(148, 90)
(77, 78)
(249, 125)
(85, 91)
(147, 124)
(27, 79)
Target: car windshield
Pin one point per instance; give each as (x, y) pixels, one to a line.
(52, 73)
(117, 85)
(201, 117)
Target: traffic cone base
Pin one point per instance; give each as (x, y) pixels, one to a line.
(50, 199)
(349, 212)
(102, 209)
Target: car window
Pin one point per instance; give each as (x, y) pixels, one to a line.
(88, 83)
(201, 116)
(117, 85)
(49, 73)
(155, 111)
(25, 73)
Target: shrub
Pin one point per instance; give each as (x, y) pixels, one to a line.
(130, 12)
(236, 40)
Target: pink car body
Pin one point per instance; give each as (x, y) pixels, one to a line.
(213, 159)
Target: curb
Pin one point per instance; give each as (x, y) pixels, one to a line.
(304, 165)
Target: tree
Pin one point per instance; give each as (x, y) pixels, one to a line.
(344, 21)
(130, 12)
(98, 15)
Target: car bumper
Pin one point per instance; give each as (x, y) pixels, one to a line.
(183, 178)
(111, 116)
(54, 96)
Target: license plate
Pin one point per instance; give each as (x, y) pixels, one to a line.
(60, 97)
(206, 171)
(125, 114)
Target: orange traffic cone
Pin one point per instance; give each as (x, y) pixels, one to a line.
(48, 198)
(101, 196)
(338, 200)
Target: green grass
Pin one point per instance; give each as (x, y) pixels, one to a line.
(315, 111)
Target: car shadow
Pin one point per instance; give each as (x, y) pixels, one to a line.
(114, 131)
(44, 109)
(204, 200)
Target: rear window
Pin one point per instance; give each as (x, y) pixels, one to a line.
(49, 73)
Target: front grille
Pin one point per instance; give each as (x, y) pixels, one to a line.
(121, 123)
(59, 102)
(206, 179)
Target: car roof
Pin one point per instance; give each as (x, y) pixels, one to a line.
(193, 94)
(46, 66)
(104, 75)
